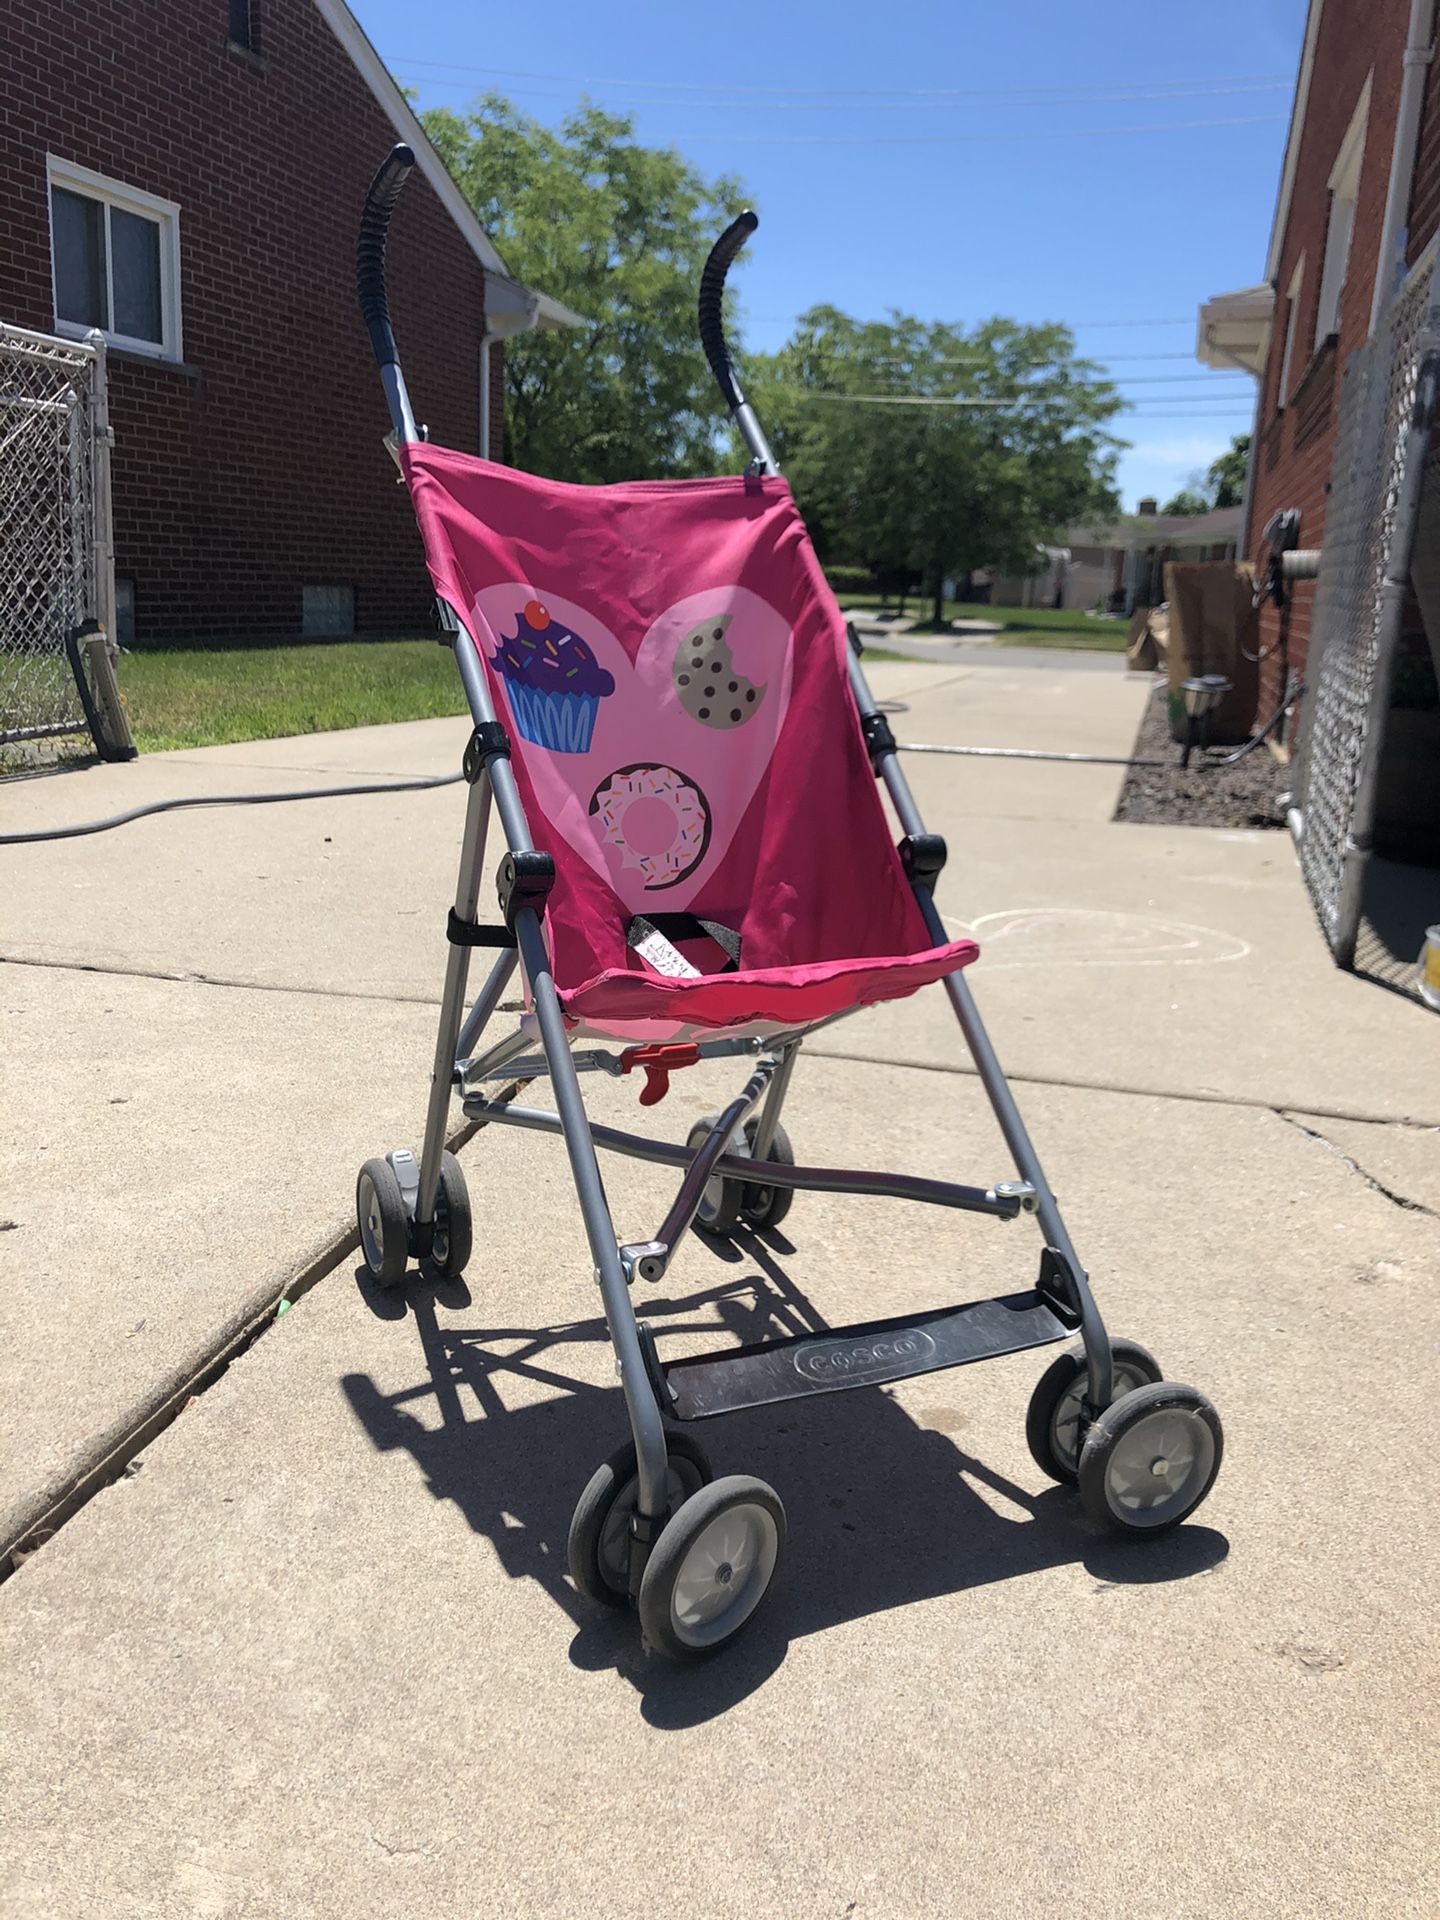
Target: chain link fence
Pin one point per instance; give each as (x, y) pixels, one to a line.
(1386, 418)
(55, 559)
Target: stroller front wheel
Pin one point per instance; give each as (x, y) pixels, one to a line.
(598, 1548)
(384, 1229)
(1150, 1459)
(1053, 1424)
(711, 1567)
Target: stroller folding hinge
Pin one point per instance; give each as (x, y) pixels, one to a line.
(1020, 1191)
(488, 742)
(879, 740)
(645, 1260)
(525, 880)
(923, 857)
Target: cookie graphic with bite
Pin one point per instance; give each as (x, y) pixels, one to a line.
(710, 689)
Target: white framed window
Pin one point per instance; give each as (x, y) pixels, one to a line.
(1292, 327)
(115, 261)
(1344, 186)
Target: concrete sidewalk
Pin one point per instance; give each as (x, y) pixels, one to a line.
(311, 1657)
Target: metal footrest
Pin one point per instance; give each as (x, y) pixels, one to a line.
(863, 1356)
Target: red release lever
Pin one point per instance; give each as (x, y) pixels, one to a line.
(659, 1062)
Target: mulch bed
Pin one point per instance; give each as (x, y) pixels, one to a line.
(1206, 794)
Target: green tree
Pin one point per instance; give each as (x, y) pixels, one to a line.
(925, 446)
(619, 232)
(1225, 476)
(1187, 500)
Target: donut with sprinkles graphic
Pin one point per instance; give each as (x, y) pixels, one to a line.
(658, 819)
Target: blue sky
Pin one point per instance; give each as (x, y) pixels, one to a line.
(1109, 164)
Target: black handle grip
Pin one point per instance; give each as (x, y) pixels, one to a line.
(712, 313)
(380, 198)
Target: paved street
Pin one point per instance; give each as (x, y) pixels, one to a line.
(316, 1652)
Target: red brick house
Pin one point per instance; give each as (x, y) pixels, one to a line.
(187, 175)
(1359, 204)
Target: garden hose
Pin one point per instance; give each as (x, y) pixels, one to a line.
(85, 827)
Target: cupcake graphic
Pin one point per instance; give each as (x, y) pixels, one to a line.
(553, 682)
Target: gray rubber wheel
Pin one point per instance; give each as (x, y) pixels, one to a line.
(711, 1567)
(1052, 1423)
(384, 1229)
(1150, 1459)
(598, 1548)
(719, 1209)
(454, 1236)
(729, 1204)
(761, 1206)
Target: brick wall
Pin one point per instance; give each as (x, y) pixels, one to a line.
(257, 466)
(1357, 38)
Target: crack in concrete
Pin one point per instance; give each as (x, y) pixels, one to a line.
(182, 978)
(966, 1070)
(1401, 1200)
(961, 1067)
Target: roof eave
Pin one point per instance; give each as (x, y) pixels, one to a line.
(1292, 140)
(402, 117)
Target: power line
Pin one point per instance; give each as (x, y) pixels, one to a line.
(1229, 83)
(1074, 97)
(1015, 401)
(1073, 326)
(968, 139)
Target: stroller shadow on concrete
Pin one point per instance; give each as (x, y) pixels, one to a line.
(855, 1548)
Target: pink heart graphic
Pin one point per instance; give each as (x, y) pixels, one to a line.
(650, 781)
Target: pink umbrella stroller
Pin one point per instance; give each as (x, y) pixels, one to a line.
(683, 753)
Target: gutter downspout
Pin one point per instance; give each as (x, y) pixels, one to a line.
(1390, 262)
(505, 326)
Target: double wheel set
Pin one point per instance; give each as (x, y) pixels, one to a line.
(1142, 1465)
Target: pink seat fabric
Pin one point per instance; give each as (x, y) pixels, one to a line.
(670, 666)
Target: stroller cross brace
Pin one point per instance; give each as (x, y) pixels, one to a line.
(620, 927)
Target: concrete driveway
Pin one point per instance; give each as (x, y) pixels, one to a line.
(316, 1653)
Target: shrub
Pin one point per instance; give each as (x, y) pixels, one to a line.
(850, 579)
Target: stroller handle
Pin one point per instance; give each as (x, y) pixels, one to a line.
(712, 290)
(381, 195)
(712, 336)
(384, 190)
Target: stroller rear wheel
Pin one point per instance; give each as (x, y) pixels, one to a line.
(454, 1235)
(384, 1229)
(711, 1567)
(1053, 1423)
(729, 1204)
(1150, 1459)
(598, 1549)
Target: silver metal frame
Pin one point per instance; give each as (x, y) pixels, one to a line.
(456, 1068)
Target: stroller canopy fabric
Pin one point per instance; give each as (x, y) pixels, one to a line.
(671, 669)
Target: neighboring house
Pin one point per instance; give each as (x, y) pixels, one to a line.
(187, 175)
(1121, 567)
(1359, 204)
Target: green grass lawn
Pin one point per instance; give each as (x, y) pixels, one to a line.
(1024, 626)
(204, 697)
(208, 696)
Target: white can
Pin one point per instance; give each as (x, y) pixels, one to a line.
(1430, 969)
